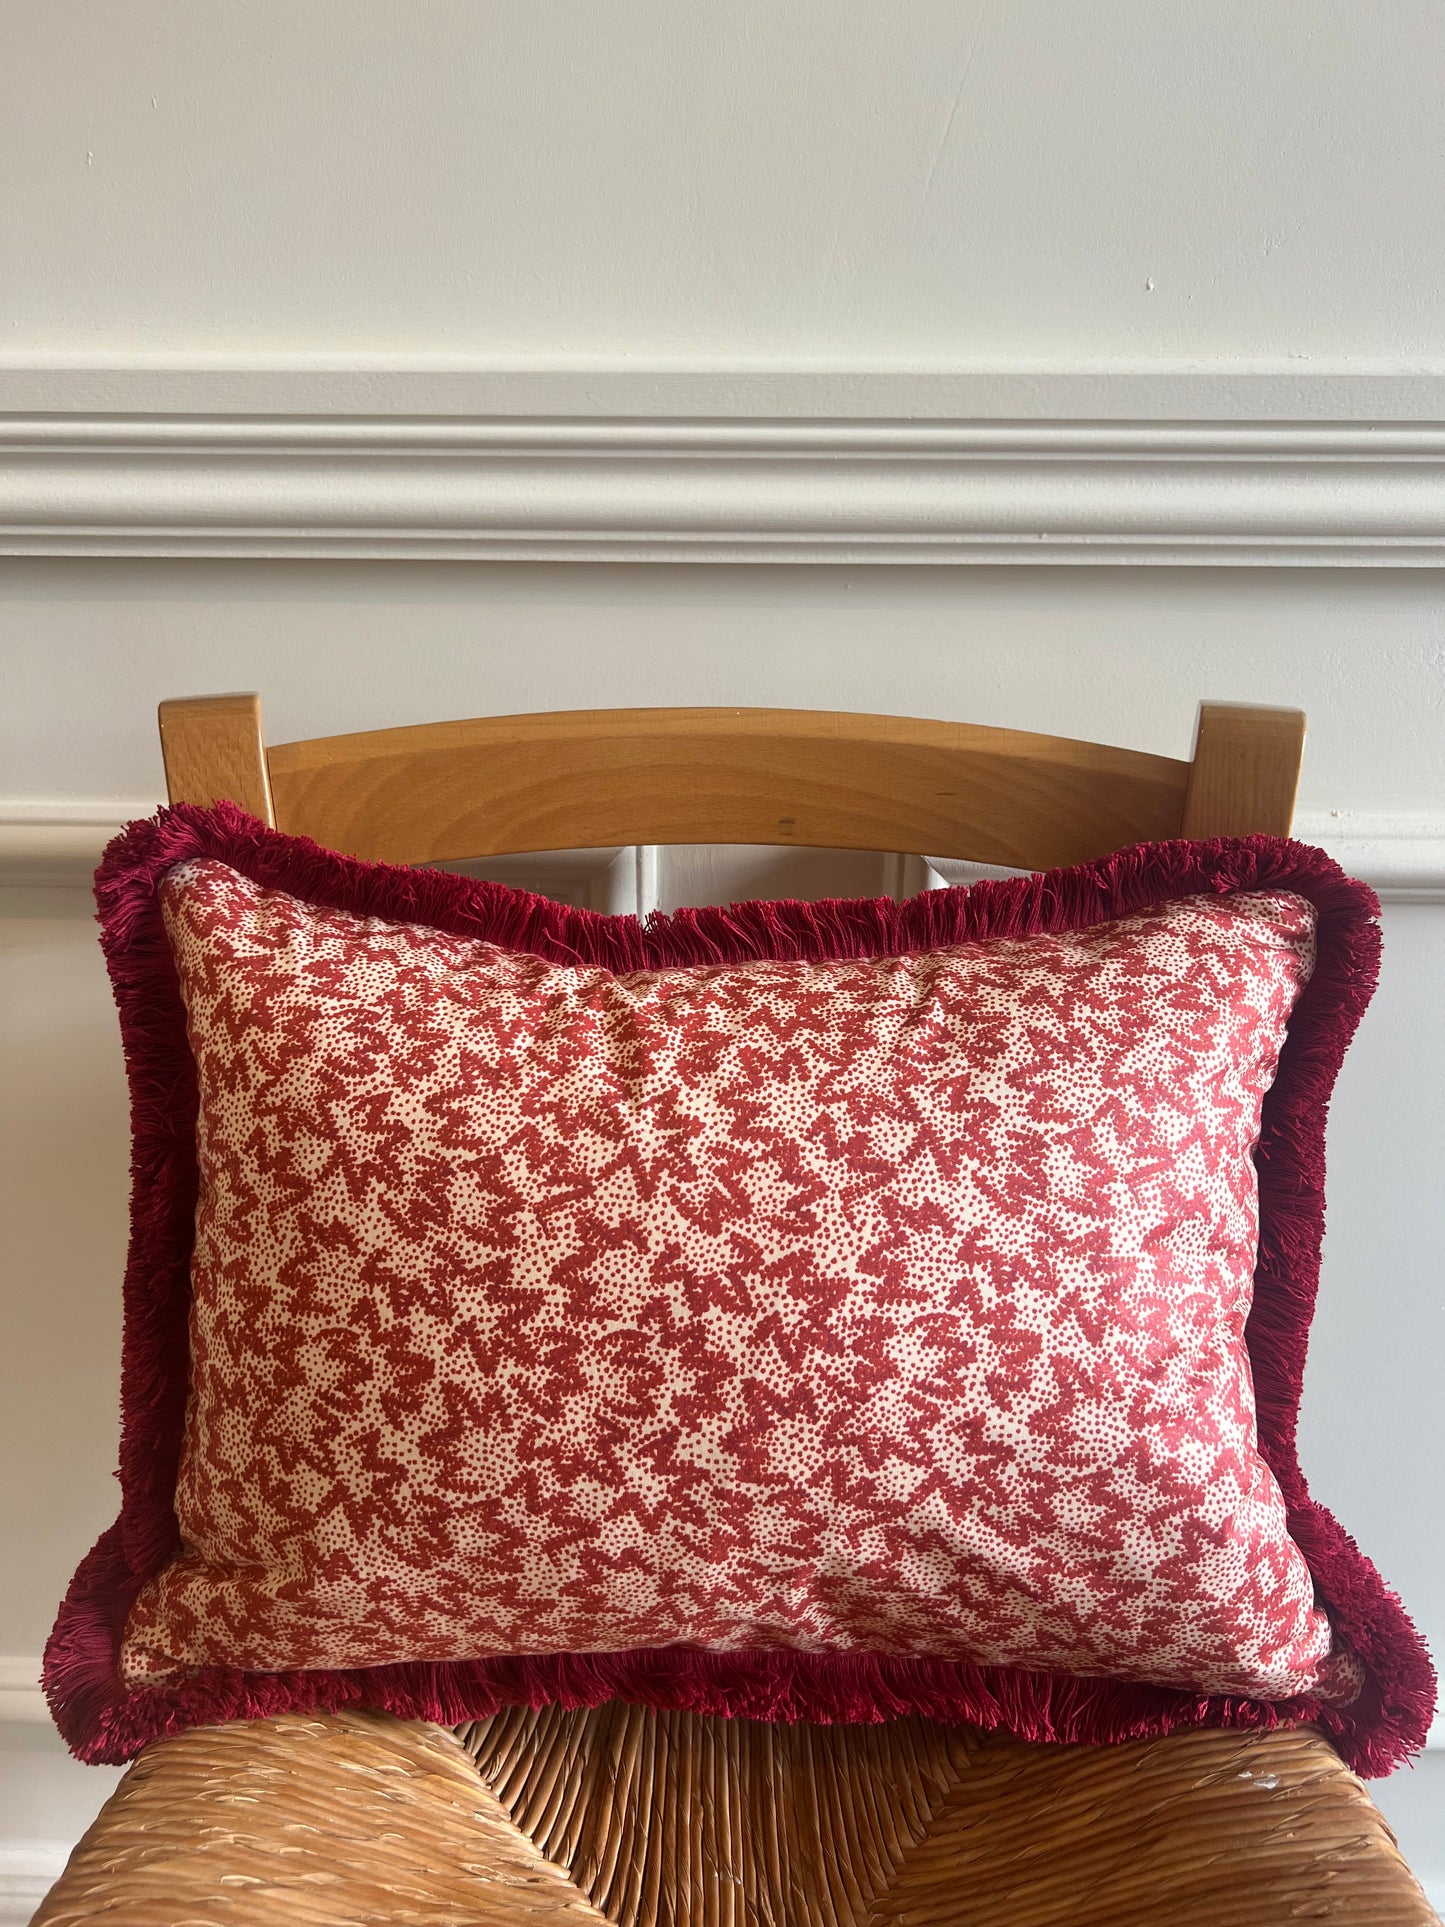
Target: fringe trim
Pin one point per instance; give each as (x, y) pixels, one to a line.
(103, 1721)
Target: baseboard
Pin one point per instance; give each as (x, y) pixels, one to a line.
(1266, 467)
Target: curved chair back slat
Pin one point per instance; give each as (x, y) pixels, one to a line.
(570, 779)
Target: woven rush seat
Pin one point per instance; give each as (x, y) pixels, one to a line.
(671, 1820)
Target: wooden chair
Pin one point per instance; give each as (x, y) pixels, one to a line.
(660, 1820)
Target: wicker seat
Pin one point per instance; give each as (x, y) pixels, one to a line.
(666, 1820)
(674, 1820)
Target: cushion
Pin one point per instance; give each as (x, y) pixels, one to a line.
(822, 1311)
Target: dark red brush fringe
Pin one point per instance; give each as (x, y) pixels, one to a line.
(104, 1722)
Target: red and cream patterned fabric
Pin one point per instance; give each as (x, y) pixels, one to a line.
(894, 1305)
(830, 1311)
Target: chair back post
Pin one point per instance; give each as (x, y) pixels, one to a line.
(1245, 772)
(214, 751)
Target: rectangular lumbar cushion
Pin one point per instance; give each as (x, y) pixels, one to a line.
(807, 1311)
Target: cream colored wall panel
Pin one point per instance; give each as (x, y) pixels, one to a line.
(63, 1187)
(89, 649)
(819, 181)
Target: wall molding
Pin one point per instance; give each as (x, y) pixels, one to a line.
(1401, 855)
(576, 490)
(55, 843)
(1269, 468)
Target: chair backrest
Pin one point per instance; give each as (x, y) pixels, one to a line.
(570, 779)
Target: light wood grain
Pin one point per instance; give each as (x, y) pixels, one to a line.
(214, 751)
(1245, 772)
(500, 784)
(651, 1819)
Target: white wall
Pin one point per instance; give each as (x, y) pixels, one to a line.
(1015, 213)
(90, 647)
(947, 181)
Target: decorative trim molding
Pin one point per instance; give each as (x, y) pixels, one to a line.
(659, 487)
(56, 843)
(1400, 855)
